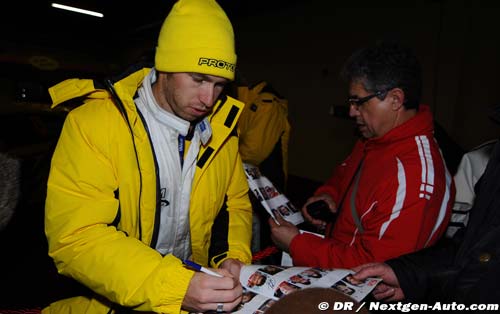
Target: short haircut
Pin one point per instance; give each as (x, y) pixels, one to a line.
(384, 66)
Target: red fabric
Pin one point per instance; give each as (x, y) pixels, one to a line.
(404, 193)
(268, 251)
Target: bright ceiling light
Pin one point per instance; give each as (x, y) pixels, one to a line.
(78, 10)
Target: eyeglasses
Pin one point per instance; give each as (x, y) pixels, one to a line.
(358, 102)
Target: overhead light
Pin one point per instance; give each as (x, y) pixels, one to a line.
(78, 10)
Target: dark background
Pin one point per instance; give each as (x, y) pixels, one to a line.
(298, 46)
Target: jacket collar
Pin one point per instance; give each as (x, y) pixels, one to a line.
(223, 119)
(422, 123)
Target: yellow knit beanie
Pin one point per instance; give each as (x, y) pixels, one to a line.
(198, 37)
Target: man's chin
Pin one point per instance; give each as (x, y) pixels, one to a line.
(193, 118)
(363, 132)
(198, 116)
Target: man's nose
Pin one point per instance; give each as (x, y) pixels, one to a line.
(353, 111)
(206, 94)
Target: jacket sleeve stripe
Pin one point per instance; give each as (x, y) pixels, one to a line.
(443, 208)
(231, 116)
(206, 155)
(430, 162)
(400, 199)
(424, 151)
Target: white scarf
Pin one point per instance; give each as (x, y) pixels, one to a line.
(175, 182)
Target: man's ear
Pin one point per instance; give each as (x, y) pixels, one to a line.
(396, 97)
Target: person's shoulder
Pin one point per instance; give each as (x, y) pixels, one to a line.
(406, 150)
(417, 154)
(94, 109)
(422, 147)
(480, 153)
(486, 146)
(94, 116)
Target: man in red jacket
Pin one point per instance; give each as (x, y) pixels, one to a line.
(393, 193)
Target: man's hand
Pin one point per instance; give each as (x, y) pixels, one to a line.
(282, 232)
(233, 266)
(316, 222)
(389, 289)
(206, 291)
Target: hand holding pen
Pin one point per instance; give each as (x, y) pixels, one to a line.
(198, 267)
(211, 291)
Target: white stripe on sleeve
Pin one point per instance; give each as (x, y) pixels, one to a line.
(400, 198)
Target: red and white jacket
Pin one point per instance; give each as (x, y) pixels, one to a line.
(404, 200)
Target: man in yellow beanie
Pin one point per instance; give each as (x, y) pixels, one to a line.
(147, 173)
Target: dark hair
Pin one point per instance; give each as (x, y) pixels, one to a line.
(385, 66)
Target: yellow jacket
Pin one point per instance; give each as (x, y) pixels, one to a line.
(263, 125)
(102, 207)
